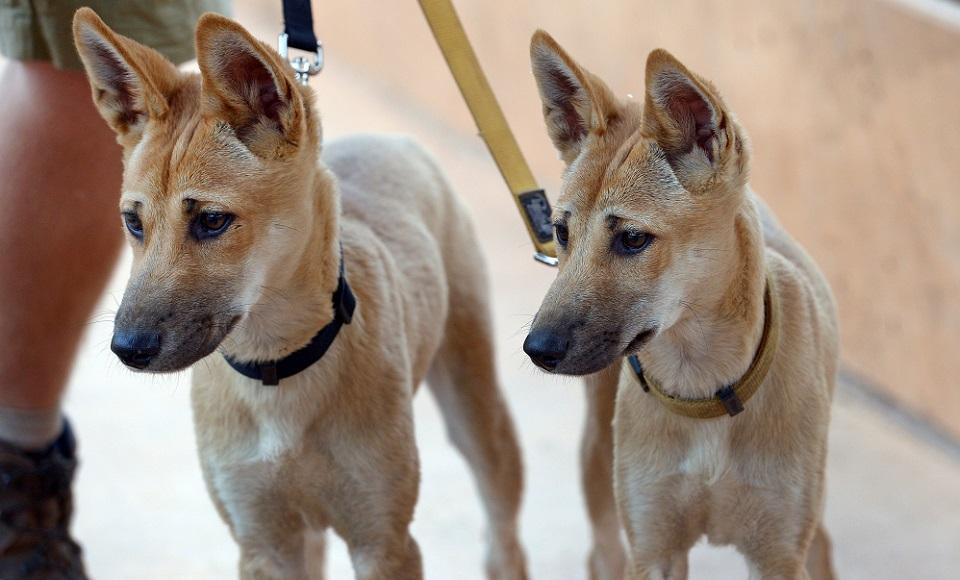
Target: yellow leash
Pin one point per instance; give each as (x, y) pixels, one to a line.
(530, 199)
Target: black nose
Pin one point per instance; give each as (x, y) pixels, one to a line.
(136, 348)
(546, 348)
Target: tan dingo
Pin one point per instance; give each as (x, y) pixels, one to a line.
(667, 254)
(237, 226)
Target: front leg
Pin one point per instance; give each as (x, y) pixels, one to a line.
(660, 525)
(672, 567)
(267, 528)
(659, 533)
(272, 560)
(268, 531)
(819, 556)
(607, 557)
(784, 569)
(376, 467)
(779, 556)
(787, 540)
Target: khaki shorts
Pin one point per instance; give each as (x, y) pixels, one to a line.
(43, 29)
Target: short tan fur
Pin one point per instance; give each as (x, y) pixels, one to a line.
(331, 447)
(666, 254)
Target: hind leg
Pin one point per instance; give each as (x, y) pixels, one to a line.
(463, 380)
(607, 555)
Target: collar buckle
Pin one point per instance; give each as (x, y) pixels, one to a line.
(730, 401)
(268, 374)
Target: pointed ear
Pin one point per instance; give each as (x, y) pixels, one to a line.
(129, 81)
(686, 115)
(246, 83)
(575, 102)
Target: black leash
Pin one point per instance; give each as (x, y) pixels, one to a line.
(298, 33)
(271, 372)
(298, 25)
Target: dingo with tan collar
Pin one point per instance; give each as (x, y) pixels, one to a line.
(668, 258)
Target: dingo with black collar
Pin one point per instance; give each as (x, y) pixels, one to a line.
(245, 243)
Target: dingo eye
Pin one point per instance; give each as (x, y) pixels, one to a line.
(211, 224)
(133, 223)
(561, 233)
(631, 242)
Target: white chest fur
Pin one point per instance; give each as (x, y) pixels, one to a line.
(277, 435)
(707, 458)
(282, 423)
(281, 416)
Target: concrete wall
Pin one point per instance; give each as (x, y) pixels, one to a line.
(852, 105)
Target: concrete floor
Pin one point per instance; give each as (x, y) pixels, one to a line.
(893, 502)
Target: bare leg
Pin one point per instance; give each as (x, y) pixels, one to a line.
(463, 380)
(59, 183)
(58, 228)
(607, 556)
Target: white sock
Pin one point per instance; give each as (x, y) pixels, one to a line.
(30, 429)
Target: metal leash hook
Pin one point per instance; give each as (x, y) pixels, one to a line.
(545, 259)
(302, 66)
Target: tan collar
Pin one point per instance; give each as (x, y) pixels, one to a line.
(730, 399)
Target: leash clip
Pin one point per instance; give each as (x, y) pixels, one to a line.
(545, 259)
(302, 65)
(536, 208)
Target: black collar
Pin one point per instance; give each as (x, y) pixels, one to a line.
(270, 372)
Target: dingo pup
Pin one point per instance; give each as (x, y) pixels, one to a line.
(243, 239)
(666, 254)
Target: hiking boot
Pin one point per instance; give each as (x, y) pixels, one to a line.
(36, 503)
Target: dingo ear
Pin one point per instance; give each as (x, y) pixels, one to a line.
(247, 84)
(575, 103)
(687, 117)
(129, 80)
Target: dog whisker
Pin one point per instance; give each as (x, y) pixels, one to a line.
(282, 226)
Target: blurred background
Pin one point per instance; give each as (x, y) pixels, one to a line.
(852, 109)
